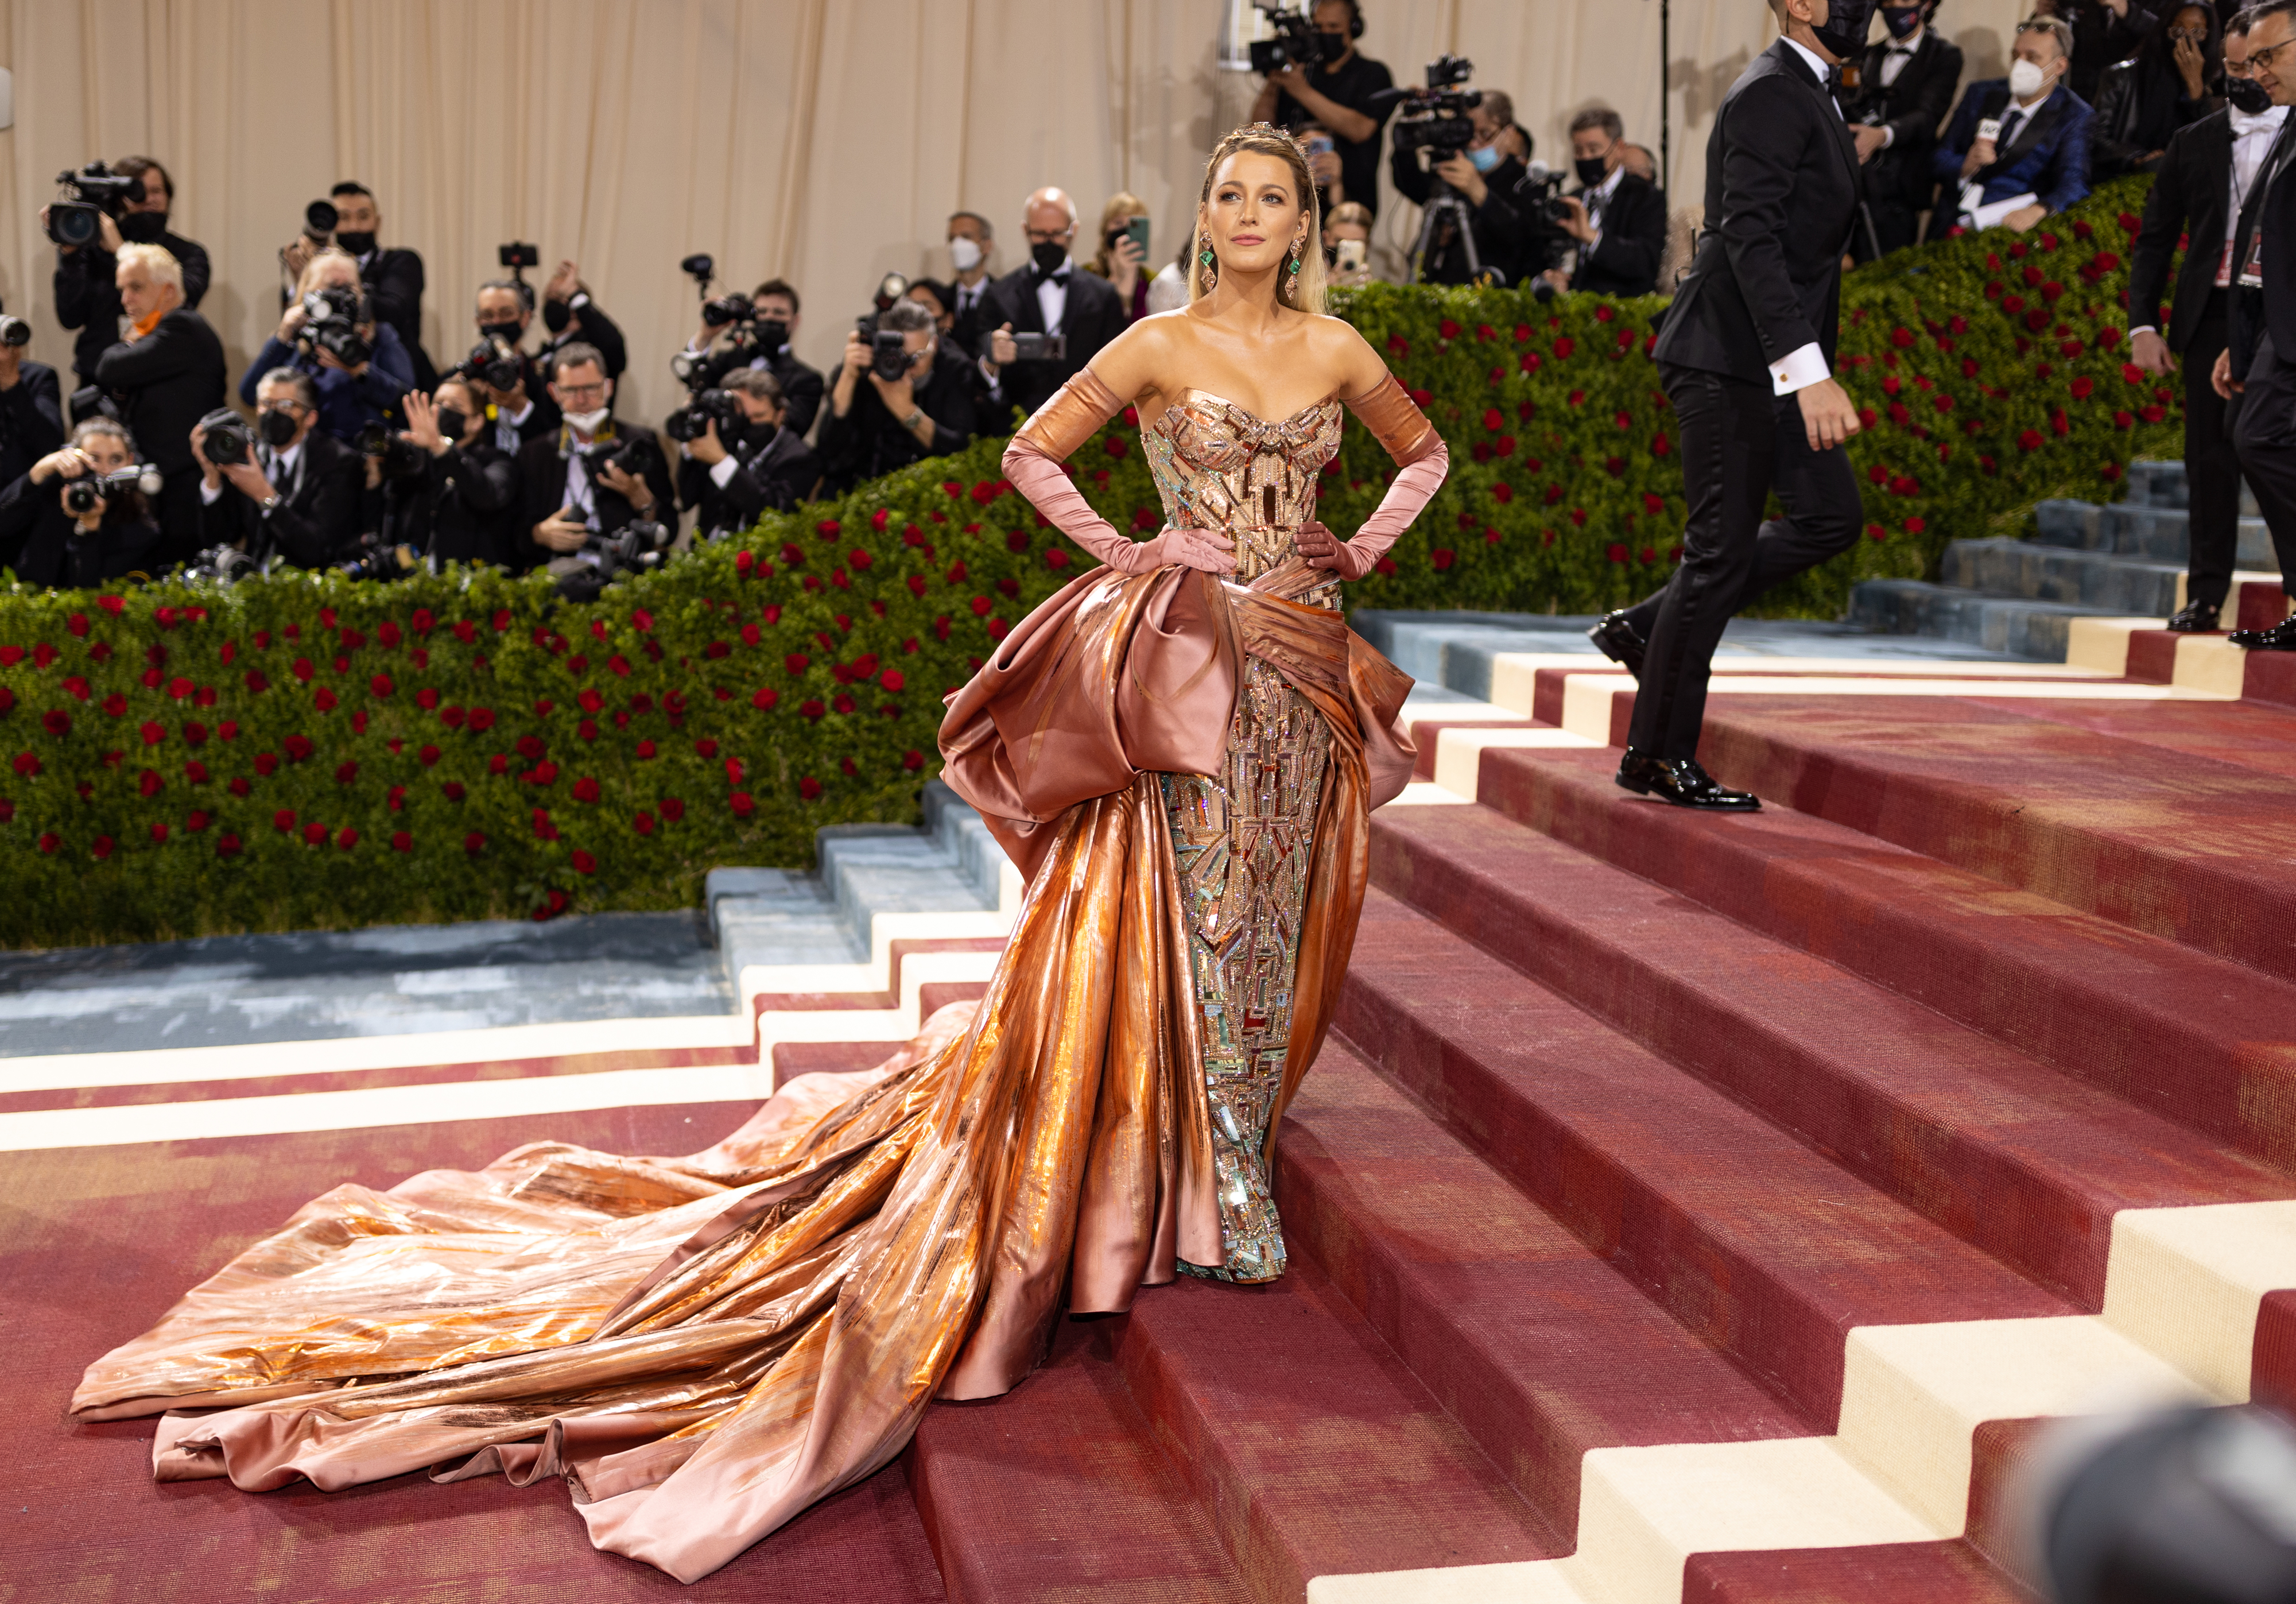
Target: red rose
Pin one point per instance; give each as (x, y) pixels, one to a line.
(152, 732)
(1442, 558)
(585, 789)
(453, 790)
(1616, 552)
(397, 799)
(809, 787)
(474, 842)
(196, 772)
(642, 622)
(239, 785)
(1563, 348)
(299, 747)
(50, 841)
(381, 685)
(502, 620)
(102, 847)
(283, 820)
(149, 783)
(2030, 440)
(197, 822)
(529, 747)
(57, 722)
(315, 833)
(482, 719)
(401, 841)
(672, 810)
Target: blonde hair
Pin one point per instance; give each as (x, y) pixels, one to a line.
(308, 278)
(1306, 293)
(158, 263)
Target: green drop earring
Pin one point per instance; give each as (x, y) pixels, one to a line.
(1210, 262)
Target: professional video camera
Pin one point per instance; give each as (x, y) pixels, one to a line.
(229, 439)
(331, 317)
(94, 192)
(400, 459)
(14, 331)
(493, 362)
(82, 494)
(701, 371)
(1296, 44)
(1435, 118)
(379, 559)
(692, 420)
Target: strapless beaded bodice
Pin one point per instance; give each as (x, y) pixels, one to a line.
(1219, 467)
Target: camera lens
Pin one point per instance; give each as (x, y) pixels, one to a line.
(320, 217)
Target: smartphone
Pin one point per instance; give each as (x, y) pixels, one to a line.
(1137, 231)
(1320, 144)
(1040, 348)
(1351, 254)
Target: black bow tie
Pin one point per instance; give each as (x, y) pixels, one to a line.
(1059, 275)
(1901, 50)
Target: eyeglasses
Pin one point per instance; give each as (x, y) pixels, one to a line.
(581, 393)
(294, 408)
(2267, 56)
(1048, 237)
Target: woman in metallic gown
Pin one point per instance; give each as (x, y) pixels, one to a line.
(1180, 751)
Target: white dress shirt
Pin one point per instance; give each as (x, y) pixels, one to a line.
(1804, 366)
(1597, 201)
(1893, 68)
(1052, 295)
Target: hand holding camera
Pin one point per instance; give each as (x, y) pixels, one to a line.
(562, 532)
(631, 487)
(1455, 170)
(1570, 215)
(1002, 350)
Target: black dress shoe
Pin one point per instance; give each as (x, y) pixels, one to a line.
(1617, 640)
(1681, 782)
(2280, 638)
(2194, 618)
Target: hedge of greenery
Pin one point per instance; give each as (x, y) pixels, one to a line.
(304, 751)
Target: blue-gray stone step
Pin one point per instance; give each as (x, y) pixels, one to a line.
(2016, 626)
(2030, 571)
(2136, 529)
(2163, 484)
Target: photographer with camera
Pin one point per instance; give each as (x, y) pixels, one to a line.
(161, 380)
(1614, 220)
(449, 491)
(392, 278)
(597, 495)
(569, 315)
(753, 332)
(286, 489)
(507, 382)
(77, 516)
(1062, 317)
(743, 461)
(900, 395)
(126, 204)
(1473, 159)
(1315, 74)
(332, 333)
(31, 403)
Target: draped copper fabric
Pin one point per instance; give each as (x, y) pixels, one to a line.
(704, 1345)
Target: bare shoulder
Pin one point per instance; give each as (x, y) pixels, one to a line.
(1134, 362)
(1338, 350)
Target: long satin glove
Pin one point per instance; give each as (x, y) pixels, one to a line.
(1395, 422)
(1032, 461)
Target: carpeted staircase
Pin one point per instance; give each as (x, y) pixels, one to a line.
(2083, 561)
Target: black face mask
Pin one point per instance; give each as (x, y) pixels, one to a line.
(772, 336)
(358, 244)
(144, 227)
(507, 333)
(1902, 20)
(2248, 97)
(277, 428)
(556, 316)
(451, 423)
(1847, 23)
(757, 437)
(1592, 170)
(1049, 255)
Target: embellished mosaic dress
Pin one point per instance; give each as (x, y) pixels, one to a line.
(703, 1346)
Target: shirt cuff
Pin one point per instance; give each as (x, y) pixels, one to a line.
(2145, 328)
(209, 497)
(517, 419)
(1889, 135)
(1798, 370)
(723, 470)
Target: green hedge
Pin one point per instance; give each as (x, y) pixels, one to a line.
(304, 752)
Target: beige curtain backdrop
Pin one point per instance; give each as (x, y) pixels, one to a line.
(822, 142)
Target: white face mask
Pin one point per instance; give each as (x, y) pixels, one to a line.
(586, 423)
(2026, 80)
(964, 253)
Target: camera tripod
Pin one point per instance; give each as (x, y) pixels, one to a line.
(1444, 204)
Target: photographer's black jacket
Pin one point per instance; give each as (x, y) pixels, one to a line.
(37, 539)
(778, 475)
(167, 381)
(1913, 109)
(316, 523)
(542, 469)
(462, 507)
(802, 388)
(87, 295)
(1503, 238)
(393, 281)
(31, 419)
(869, 440)
(1352, 84)
(586, 324)
(1626, 255)
(2189, 199)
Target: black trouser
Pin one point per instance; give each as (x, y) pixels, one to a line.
(1896, 226)
(2264, 434)
(1739, 443)
(2211, 464)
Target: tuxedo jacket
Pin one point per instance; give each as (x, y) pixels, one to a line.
(2271, 206)
(1913, 109)
(2191, 195)
(1625, 259)
(316, 523)
(1782, 191)
(2046, 157)
(1095, 315)
(166, 383)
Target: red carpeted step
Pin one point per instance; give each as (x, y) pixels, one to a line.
(2164, 843)
(2193, 1039)
(1748, 1237)
(1057, 1492)
(1929, 1573)
(2240, 733)
(1309, 1445)
(101, 1240)
(2025, 1162)
(2270, 677)
(1538, 1348)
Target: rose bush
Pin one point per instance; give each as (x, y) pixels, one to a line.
(304, 750)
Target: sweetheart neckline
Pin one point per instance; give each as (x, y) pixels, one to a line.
(1248, 412)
